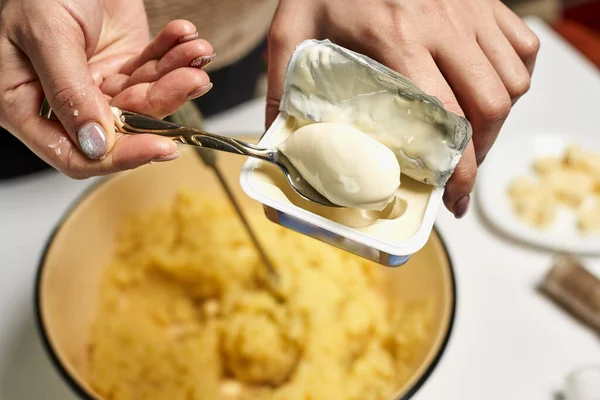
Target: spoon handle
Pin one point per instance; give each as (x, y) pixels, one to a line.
(133, 123)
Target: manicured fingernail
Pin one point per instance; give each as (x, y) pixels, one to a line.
(97, 79)
(92, 140)
(188, 38)
(203, 61)
(462, 206)
(200, 91)
(167, 157)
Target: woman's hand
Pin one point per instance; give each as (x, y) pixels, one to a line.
(86, 55)
(476, 56)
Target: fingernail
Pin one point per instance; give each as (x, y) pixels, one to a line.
(200, 91)
(203, 61)
(97, 79)
(515, 100)
(167, 157)
(462, 206)
(188, 38)
(92, 140)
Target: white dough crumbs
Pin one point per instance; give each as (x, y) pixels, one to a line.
(118, 117)
(56, 146)
(570, 180)
(76, 113)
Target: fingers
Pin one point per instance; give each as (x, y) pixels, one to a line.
(175, 32)
(479, 90)
(132, 151)
(57, 53)
(19, 86)
(50, 141)
(417, 64)
(525, 43)
(457, 195)
(106, 67)
(285, 33)
(86, 127)
(165, 96)
(114, 84)
(129, 151)
(509, 67)
(197, 53)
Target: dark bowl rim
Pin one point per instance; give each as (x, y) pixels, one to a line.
(84, 395)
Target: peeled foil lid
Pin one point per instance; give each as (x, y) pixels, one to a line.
(325, 82)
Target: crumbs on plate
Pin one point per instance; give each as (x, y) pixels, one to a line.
(571, 181)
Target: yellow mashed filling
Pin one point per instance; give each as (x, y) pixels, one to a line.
(184, 313)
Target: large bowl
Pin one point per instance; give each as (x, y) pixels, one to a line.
(72, 264)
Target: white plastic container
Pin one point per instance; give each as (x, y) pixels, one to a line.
(388, 242)
(328, 83)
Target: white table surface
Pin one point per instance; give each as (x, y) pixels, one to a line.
(508, 342)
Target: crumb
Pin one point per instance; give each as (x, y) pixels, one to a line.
(211, 308)
(546, 164)
(76, 113)
(588, 217)
(533, 203)
(230, 389)
(56, 146)
(571, 187)
(571, 180)
(117, 116)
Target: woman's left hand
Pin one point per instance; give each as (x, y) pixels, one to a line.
(476, 56)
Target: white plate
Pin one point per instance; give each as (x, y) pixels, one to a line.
(512, 156)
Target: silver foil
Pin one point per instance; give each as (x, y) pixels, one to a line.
(325, 82)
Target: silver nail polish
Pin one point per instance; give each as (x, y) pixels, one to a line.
(92, 140)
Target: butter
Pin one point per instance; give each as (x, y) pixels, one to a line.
(345, 165)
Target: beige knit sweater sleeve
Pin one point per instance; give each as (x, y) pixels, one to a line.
(233, 27)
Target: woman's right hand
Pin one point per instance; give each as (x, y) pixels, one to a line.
(86, 55)
(476, 56)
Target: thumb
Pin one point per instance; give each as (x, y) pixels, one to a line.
(61, 63)
(285, 33)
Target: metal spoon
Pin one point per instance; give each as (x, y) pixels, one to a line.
(133, 123)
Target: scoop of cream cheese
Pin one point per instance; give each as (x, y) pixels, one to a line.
(345, 165)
